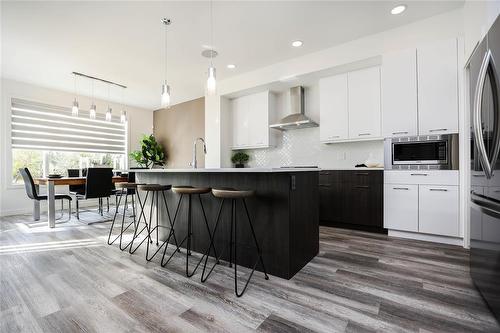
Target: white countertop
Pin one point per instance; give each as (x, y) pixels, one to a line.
(225, 170)
(353, 168)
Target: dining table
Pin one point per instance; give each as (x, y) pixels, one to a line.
(51, 183)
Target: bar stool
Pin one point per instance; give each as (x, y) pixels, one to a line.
(125, 189)
(188, 191)
(154, 190)
(233, 195)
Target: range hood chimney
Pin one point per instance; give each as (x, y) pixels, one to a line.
(297, 119)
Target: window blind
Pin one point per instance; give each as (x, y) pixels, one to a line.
(47, 127)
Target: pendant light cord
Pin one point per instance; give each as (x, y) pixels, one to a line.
(76, 94)
(211, 33)
(166, 52)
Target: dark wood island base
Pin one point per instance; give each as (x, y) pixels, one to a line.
(284, 212)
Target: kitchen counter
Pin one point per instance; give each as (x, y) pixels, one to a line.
(223, 170)
(284, 212)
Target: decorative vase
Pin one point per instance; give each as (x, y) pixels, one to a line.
(239, 165)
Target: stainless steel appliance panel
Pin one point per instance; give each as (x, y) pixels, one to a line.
(484, 90)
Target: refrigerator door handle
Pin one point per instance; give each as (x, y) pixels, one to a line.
(485, 203)
(487, 68)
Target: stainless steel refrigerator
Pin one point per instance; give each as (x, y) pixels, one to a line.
(484, 85)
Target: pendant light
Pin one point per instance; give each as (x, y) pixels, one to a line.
(75, 107)
(211, 81)
(109, 111)
(165, 88)
(123, 116)
(93, 108)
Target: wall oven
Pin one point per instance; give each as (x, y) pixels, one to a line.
(425, 152)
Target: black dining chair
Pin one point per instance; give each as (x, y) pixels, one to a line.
(76, 189)
(99, 185)
(32, 192)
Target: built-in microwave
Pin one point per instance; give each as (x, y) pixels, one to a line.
(424, 152)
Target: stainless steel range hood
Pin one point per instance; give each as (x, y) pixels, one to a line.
(297, 119)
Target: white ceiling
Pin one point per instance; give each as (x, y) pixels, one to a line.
(43, 42)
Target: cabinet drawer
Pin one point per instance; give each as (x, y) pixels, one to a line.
(364, 177)
(438, 177)
(438, 210)
(401, 207)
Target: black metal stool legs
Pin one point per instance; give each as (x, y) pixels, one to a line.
(146, 227)
(188, 237)
(233, 246)
(207, 252)
(122, 229)
(239, 294)
(157, 227)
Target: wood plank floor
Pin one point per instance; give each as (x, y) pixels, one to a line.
(68, 280)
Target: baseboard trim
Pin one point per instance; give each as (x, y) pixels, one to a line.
(426, 237)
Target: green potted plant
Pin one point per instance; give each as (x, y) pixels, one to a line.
(239, 159)
(151, 153)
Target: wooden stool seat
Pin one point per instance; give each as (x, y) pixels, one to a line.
(154, 187)
(125, 185)
(231, 193)
(190, 190)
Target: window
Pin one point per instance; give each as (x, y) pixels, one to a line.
(47, 139)
(31, 159)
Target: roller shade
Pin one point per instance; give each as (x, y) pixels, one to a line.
(47, 127)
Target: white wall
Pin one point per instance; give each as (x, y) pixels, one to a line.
(432, 29)
(13, 199)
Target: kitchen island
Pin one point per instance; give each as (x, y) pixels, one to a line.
(284, 212)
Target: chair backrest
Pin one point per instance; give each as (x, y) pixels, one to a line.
(99, 183)
(131, 177)
(76, 173)
(29, 184)
(73, 172)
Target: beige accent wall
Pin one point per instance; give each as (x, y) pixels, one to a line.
(177, 127)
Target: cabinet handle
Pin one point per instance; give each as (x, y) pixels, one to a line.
(438, 189)
(334, 136)
(418, 174)
(438, 130)
(324, 185)
(325, 173)
(402, 132)
(362, 173)
(496, 191)
(401, 188)
(364, 134)
(477, 175)
(362, 186)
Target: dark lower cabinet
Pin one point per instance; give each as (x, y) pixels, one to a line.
(352, 199)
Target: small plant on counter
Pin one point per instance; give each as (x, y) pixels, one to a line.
(239, 159)
(151, 153)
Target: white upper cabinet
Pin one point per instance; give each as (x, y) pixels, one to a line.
(364, 103)
(438, 87)
(333, 108)
(250, 120)
(399, 93)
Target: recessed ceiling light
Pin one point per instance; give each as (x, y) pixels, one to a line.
(297, 43)
(398, 9)
(231, 66)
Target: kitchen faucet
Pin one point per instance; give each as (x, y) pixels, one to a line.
(194, 162)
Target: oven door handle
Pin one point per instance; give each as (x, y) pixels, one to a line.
(478, 100)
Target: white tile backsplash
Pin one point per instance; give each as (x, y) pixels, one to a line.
(302, 147)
